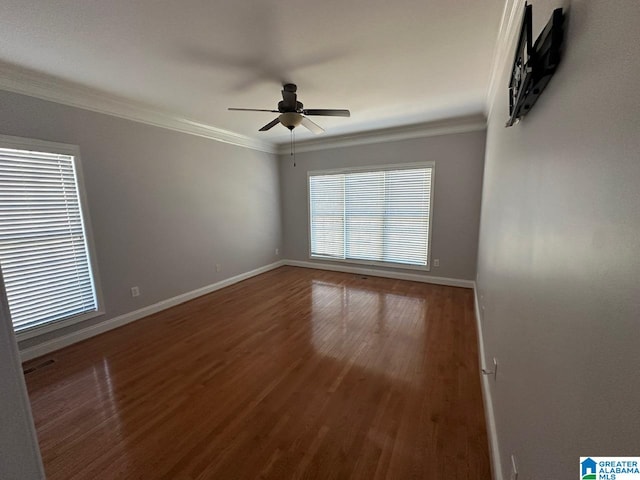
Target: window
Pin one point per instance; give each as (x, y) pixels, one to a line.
(375, 216)
(44, 249)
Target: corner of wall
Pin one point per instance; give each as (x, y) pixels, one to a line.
(492, 434)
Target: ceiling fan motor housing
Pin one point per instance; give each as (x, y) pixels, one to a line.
(284, 107)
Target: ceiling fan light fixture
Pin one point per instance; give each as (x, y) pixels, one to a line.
(293, 113)
(290, 119)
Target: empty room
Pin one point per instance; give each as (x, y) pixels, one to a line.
(319, 240)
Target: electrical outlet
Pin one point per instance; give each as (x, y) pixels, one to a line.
(218, 267)
(514, 468)
(277, 251)
(135, 292)
(436, 262)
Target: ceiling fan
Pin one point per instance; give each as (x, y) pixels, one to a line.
(293, 113)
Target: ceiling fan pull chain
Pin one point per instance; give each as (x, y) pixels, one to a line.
(293, 147)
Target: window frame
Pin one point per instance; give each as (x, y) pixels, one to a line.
(21, 143)
(375, 168)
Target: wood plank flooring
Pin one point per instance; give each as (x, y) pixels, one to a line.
(292, 374)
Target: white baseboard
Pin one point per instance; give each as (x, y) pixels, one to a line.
(414, 277)
(494, 450)
(88, 332)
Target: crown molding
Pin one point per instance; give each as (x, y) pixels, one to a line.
(34, 84)
(511, 17)
(469, 123)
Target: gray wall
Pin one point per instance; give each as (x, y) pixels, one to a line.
(165, 206)
(19, 453)
(559, 269)
(458, 184)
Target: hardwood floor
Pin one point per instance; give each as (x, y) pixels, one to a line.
(296, 373)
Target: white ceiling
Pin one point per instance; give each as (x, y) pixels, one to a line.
(390, 62)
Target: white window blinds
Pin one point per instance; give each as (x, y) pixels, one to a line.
(43, 248)
(373, 216)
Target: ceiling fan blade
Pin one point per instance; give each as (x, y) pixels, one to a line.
(311, 126)
(269, 125)
(327, 112)
(252, 110)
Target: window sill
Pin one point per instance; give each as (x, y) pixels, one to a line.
(57, 325)
(371, 263)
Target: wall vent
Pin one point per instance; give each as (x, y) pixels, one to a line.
(40, 365)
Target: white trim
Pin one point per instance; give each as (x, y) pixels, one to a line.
(470, 123)
(432, 194)
(27, 82)
(35, 145)
(374, 263)
(413, 277)
(46, 87)
(15, 403)
(375, 168)
(88, 332)
(92, 331)
(509, 25)
(60, 324)
(494, 450)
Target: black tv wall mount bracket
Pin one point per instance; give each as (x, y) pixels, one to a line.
(534, 64)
